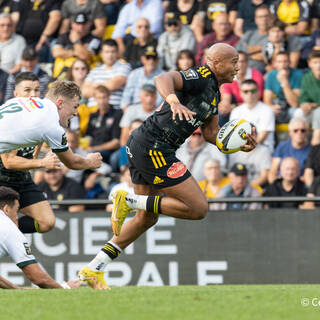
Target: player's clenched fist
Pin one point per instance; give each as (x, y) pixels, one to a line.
(95, 160)
(51, 161)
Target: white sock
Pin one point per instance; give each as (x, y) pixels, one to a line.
(99, 262)
(135, 201)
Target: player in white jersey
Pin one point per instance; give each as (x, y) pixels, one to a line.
(15, 244)
(40, 120)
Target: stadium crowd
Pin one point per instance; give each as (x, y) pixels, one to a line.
(114, 48)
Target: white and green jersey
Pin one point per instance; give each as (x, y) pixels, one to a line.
(13, 243)
(26, 122)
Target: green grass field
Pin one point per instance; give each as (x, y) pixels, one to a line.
(184, 302)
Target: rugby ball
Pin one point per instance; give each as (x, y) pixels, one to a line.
(231, 136)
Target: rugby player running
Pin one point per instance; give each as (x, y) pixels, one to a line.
(191, 101)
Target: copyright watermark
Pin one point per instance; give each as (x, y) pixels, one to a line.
(314, 302)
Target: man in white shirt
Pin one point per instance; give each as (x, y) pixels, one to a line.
(39, 120)
(15, 244)
(256, 112)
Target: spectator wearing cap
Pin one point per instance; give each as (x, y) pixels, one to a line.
(135, 46)
(112, 74)
(37, 21)
(6, 6)
(239, 187)
(221, 32)
(140, 76)
(93, 9)
(29, 63)
(195, 151)
(78, 42)
(131, 12)
(141, 111)
(11, 45)
(177, 37)
(287, 185)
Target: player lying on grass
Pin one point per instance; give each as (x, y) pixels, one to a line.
(26, 122)
(191, 101)
(14, 244)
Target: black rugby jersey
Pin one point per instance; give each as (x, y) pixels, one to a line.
(200, 93)
(17, 176)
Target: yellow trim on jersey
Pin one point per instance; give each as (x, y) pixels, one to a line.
(157, 159)
(204, 71)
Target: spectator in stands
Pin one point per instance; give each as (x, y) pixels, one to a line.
(185, 60)
(315, 15)
(258, 163)
(278, 41)
(136, 46)
(297, 147)
(151, 9)
(282, 88)
(314, 191)
(309, 98)
(208, 10)
(231, 93)
(288, 185)
(103, 127)
(3, 85)
(247, 19)
(176, 38)
(185, 9)
(312, 169)
(11, 45)
(221, 32)
(258, 113)
(29, 63)
(254, 40)
(93, 9)
(238, 187)
(195, 151)
(295, 14)
(76, 43)
(214, 180)
(38, 22)
(112, 74)
(78, 72)
(140, 76)
(141, 111)
(56, 186)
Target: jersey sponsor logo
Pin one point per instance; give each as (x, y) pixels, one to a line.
(189, 74)
(177, 170)
(64, 139)
(35, 104)
(129, 152)
(157, 158)
(195, 123)
(213, 102)
(204, 71)
(157, 180)
(28, 249)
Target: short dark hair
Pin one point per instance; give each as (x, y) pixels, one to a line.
(262, 7)
(283, 53)
(278, 24)
(102, 89)
(110, 43)
(8, 197)
(249, 81)
(25, 76)
(314, 54)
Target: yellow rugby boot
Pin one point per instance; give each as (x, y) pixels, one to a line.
(120, 211)
(94, 279)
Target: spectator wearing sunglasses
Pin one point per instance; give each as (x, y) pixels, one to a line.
(135, 46)
(139, 77)
(297, 147)
(177, 37)
(258, 113)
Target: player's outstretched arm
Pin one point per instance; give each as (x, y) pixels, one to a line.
(5, 284)
(166, 84)
(76, 162)
(37, 276)
(211, 129)
(13, 162)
